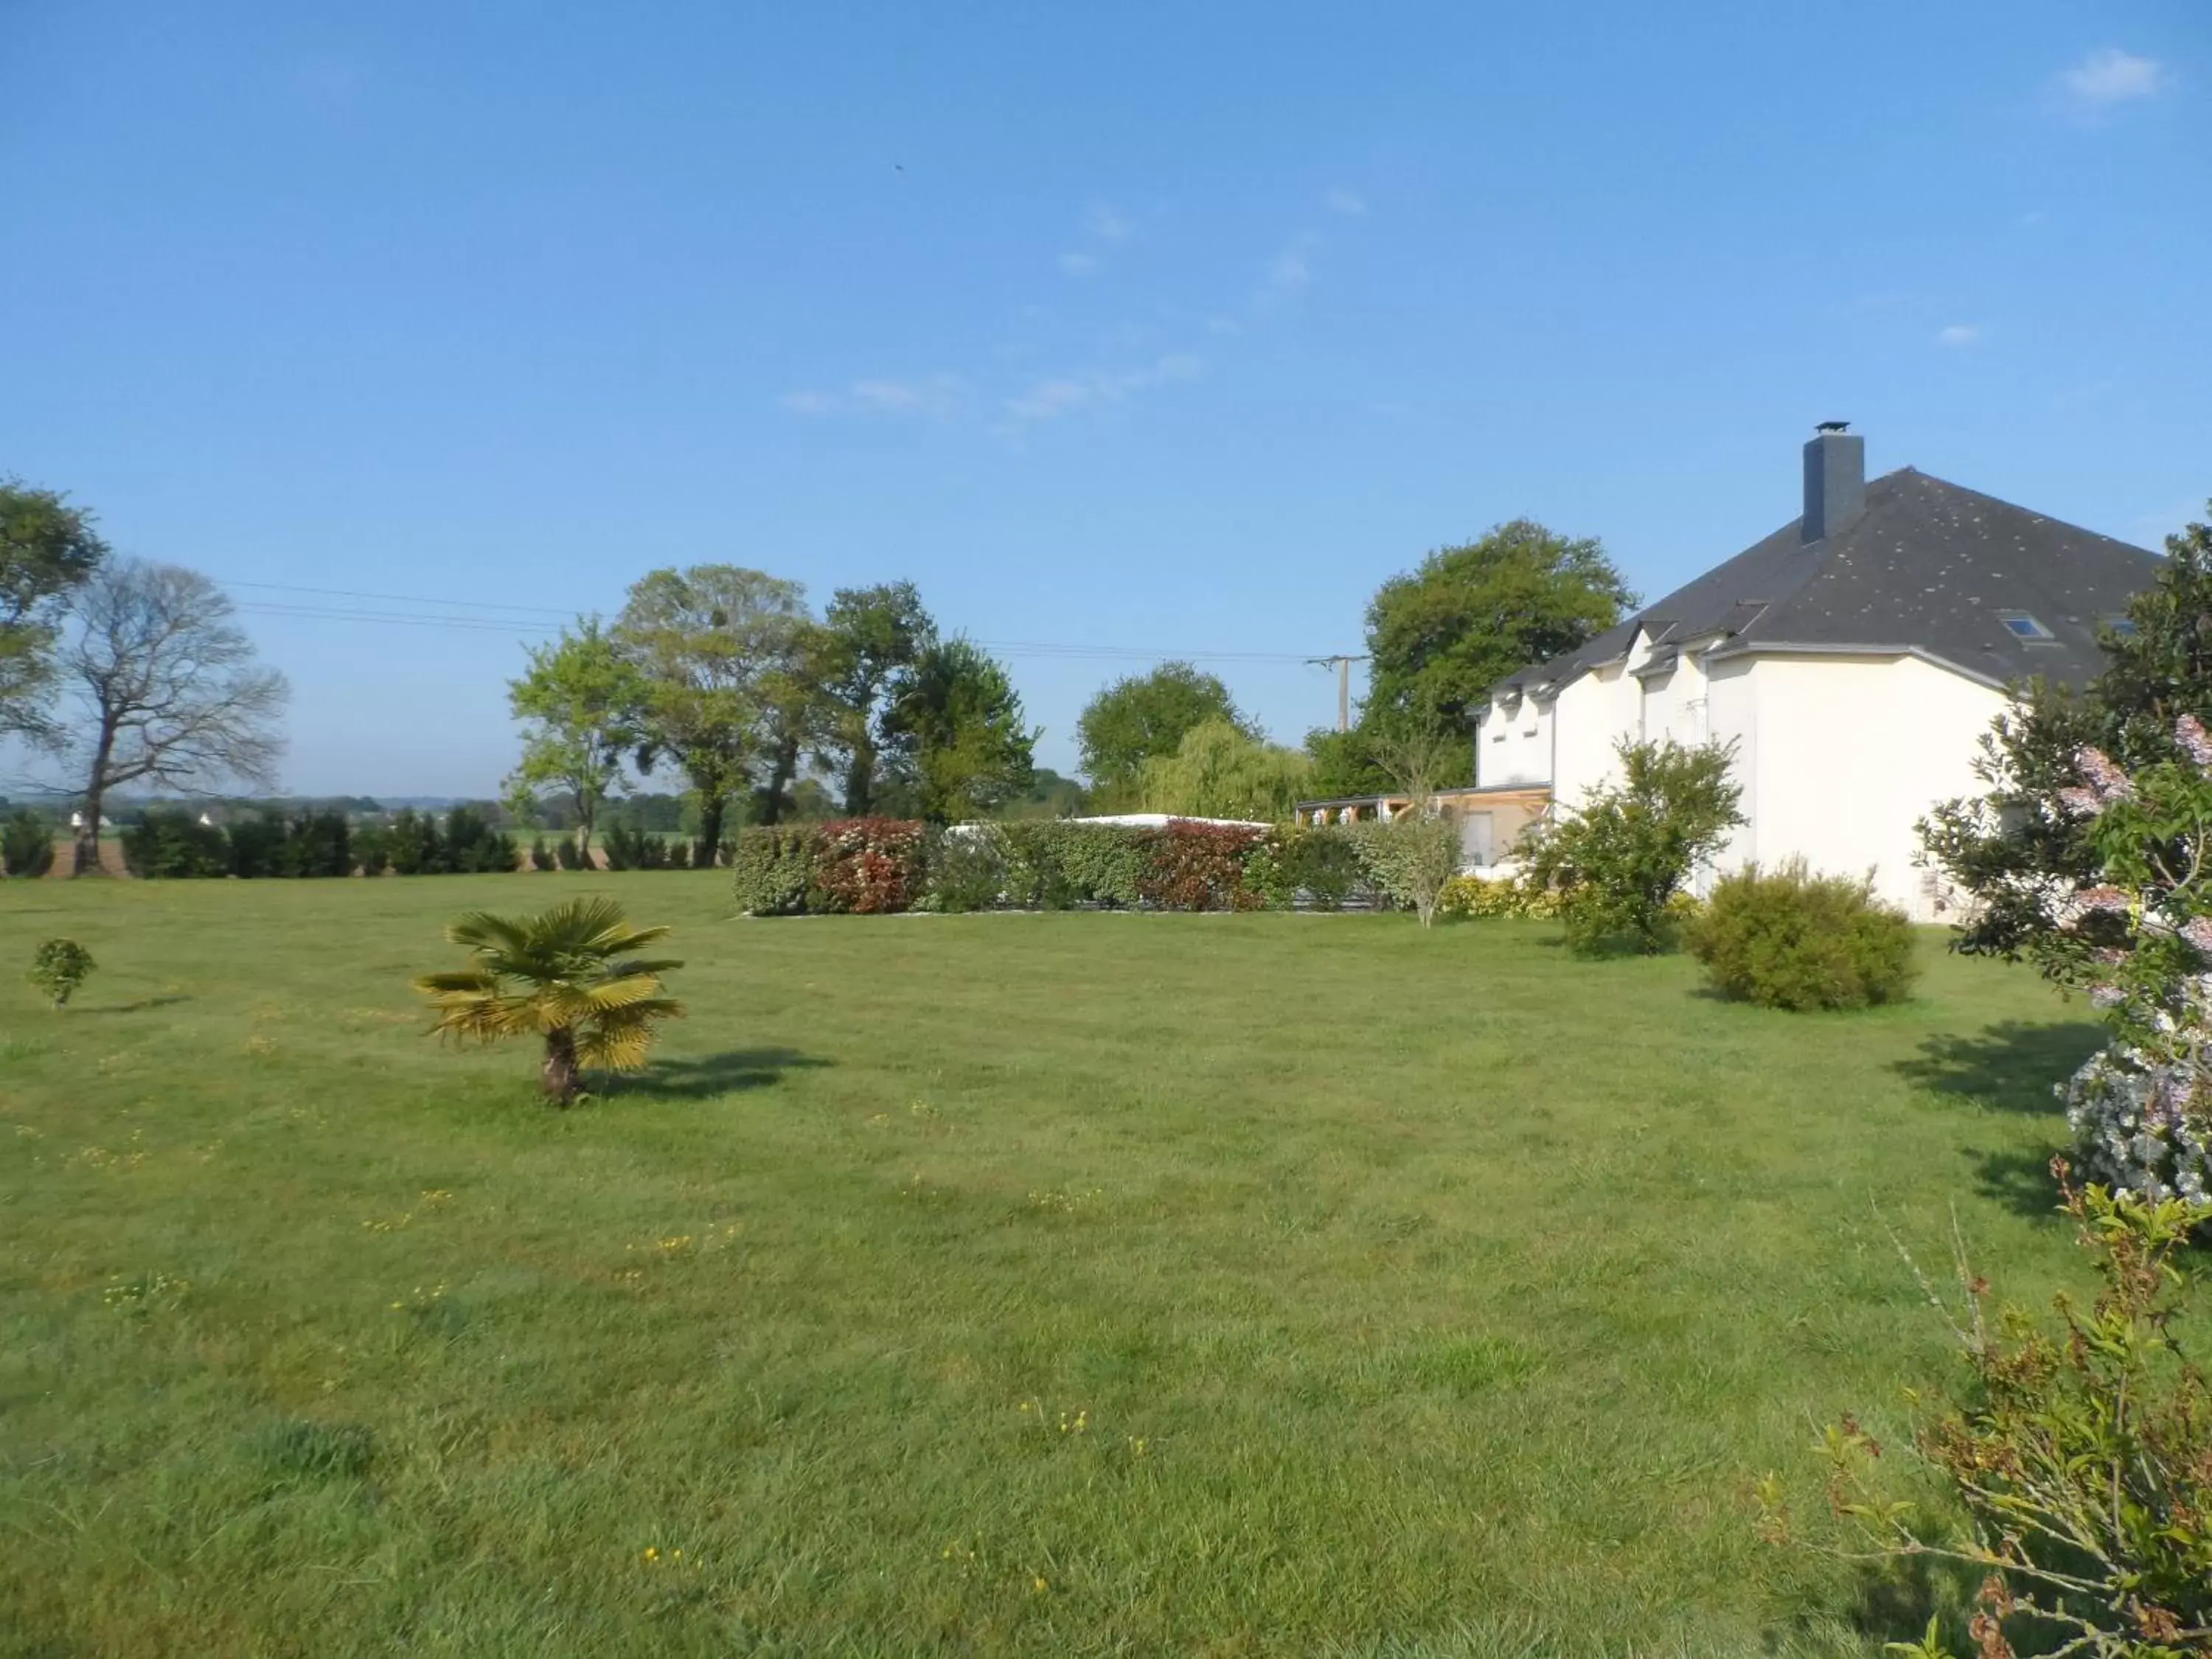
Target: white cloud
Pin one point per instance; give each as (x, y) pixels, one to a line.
(2034, 217)
(1960, 334)
(1345, 201)
(1079, 264)
(1224, 325)
(2108, 76)
(1287, 272)
(936, 398)
(1048, 400)
(1107, 226)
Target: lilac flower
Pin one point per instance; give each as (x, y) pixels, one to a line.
(2106, 996)
(2198, 930)
(2080, 802)
(2103, 898)
(2197, 743)
(2110, 783)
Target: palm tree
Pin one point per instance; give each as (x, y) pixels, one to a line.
(565, 975)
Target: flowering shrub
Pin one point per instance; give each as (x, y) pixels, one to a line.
(1409, 860)
(1199, 867)
(868, 867)
(1787, 939)
(2140, 941)
(1481, 897)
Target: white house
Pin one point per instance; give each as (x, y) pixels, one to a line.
(1855, 657)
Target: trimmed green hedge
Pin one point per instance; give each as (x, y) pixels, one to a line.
(884, 865)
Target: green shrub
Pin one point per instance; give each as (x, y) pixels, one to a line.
(963, 868)
(1409, 860)
(541, 855)
(257, 846)
(168, 844)
(1055, 864)
(473, 847)
(27, 845)
(318, 844)
(771, 867)
(1616, 861)
(1316, 860)
(372, 848)
(628, 848)
(569, 855)
(1787, 939)
(413, 844)
(58, 967)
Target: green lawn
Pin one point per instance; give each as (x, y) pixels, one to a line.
(1040, 1285)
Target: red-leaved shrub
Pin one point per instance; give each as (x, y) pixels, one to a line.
(868, 867)
(1199, 867)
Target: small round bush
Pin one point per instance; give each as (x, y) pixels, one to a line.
(1787, 939)
(60, 967)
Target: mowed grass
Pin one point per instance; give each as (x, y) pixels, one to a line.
(1052, 1285)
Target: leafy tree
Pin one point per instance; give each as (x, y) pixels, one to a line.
(957, 729)
(873, 638)
(1472, 614)
(1048, 796)
(2020, 851)
(1343, 763)
(580, 701)
(713, 646)
(1221, 771)
(1144, 716)
(1617, 861)
(47, 550)
(565, 975)
(58, 967)
(169, 690)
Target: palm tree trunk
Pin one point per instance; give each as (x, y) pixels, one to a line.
(557, 1074)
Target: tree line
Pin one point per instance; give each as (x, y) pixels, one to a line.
(1438, 637)
(726, 676)
(138, 674)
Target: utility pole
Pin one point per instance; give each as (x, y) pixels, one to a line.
(1343, 666)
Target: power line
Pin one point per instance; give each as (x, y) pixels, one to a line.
(516, 625)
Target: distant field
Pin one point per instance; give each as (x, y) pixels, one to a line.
(1061, 1285)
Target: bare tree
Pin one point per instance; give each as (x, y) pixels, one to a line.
(169, 689)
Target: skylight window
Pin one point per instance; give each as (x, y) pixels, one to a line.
(2121, 627)
(2025, 627)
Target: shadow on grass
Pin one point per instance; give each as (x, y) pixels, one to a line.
(137, 1007)
(2021, 1181)
(2012, 1066)
(716, 1074)
(1894, 1600)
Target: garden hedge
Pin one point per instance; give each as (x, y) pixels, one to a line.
(881, 866)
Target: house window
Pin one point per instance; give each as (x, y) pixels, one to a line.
(2025, 627)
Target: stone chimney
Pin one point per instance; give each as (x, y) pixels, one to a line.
(1835, 482)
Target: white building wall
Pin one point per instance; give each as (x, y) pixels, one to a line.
(1594, 712)
(1514, 745)
(1847, 753)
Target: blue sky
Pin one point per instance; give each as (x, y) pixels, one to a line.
(1161, 329)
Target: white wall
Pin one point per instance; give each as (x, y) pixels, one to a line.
(1844, 754)
(1595, 713)
(1514, 746)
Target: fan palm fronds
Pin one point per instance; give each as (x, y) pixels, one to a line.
(568, 974)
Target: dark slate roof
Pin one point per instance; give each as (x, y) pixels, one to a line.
(1927, 567)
